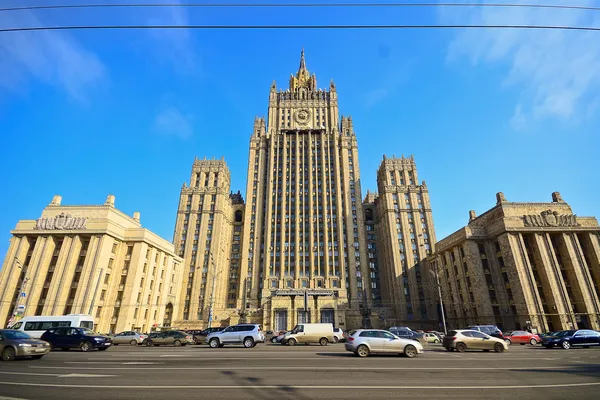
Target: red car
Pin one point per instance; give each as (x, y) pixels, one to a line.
(522, 337)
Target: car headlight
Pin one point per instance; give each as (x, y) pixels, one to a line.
(99, 339)
(24, 345)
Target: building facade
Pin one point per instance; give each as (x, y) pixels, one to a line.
(90, 260)
(304, 247)
(522, 265)
(406, 235)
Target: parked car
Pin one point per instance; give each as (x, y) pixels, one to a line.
(321, 333)
(338, 335)
(200, 337)
(73, 338)
(166, 338)
(278, 337)
(16, 344)
(247, 334)
(364, 342)
(491, 330)
(129, 337)
(522, 338)
(466, 339)
(572, 338)
(431, 337)
(407, 333)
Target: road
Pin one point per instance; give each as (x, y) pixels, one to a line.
(303, 372)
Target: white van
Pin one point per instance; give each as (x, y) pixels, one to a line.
(310, 333)
(35, 326)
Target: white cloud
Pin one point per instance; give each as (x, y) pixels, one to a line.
(171, 122)
(174, 45)
(556, 71)
(53, 58)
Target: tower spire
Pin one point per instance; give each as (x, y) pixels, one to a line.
(302, 61)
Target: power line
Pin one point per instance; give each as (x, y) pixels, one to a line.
(303, 5)
(271, 27)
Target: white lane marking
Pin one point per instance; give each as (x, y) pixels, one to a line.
(11, 398)
(58, 375)
(342, 355)
(138, 363)
(302, 387)
(312, 368)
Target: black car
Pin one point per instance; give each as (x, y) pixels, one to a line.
(407, 333)
(572, 338)
(491, 330)
(80, 338)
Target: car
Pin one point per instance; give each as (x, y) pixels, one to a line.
(165, 338)
(467, 339)
(16, 344)
(128, 337)
(200, 337)
(522, 338)
(407, 333)
(338, 335)
(82, 338)
(431, 337)
(572, 338)
(491, 330)
(246, 334)
(363, 342)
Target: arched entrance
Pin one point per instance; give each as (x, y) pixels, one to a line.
(168, 315)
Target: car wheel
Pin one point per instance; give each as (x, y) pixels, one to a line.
(8, 354)
(177, 343)
(248, 342)
(86, 346)
(273, 340)
(410, 351)
(508, 341)
(566, 345)
(291, 342)
(436, 341)
(498, 348)
(214, 343)
(533, 342)
(133, 343)
(362, 351)
(461, 347)
(323, 341)
(335, 339)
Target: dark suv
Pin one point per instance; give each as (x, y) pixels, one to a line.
(70, 338)
(491, 330)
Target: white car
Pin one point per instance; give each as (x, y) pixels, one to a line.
(363, 342)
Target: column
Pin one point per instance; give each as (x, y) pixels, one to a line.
(55, 284)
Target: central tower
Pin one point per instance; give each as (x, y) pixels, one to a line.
(303, 228)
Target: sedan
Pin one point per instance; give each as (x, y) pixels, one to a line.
(16, 344)
(572, 338)
(363, 342)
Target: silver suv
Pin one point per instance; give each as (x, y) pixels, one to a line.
(247, 334)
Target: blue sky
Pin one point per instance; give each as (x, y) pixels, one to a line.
(88, 113)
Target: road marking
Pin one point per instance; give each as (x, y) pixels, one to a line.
(138, 363)
(11, 398)
(313, 368)
(303, 387)
(58, 375)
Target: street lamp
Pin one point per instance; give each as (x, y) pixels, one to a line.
(439, 289)
(212, 291)
(21, 289)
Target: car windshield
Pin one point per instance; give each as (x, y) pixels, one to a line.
(88, 332)
(15, 335)
(564, 333)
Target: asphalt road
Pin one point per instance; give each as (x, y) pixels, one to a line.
(270, 372)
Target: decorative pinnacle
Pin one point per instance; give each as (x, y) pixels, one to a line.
(302, 61)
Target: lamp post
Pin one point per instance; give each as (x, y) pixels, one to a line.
(212, 291)
(439, 288)
(21, 290)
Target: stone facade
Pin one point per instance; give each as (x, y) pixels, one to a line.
(303, 228)
(522, 265)
(90, 260)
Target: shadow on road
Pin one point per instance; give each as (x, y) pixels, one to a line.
(282, 392)
(588, 370)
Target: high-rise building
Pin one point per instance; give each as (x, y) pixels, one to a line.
(304, 247)
(522, 265)
(208, 237)
(90, 259)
